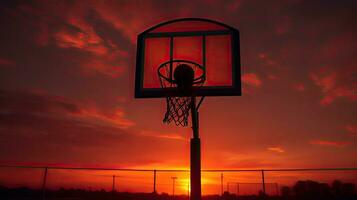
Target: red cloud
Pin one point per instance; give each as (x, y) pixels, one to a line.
(115, 118)
(234, 6)
(75, 29)
(272, 77)
(106, 58)
(6, 62)
(299, 87)
(251, 79)
(172, 136)
(334, 85)
(125, 20)
(267, 59)
(329, 143)
(283, 25)
(352, 128)
(325, 81)
(41, 103)
(276, 149)
(82, 37)
(110, 68)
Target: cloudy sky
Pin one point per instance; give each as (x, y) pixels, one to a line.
(67, 86)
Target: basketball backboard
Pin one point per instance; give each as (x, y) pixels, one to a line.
(212, 45)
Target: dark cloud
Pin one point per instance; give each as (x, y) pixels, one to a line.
(32, 102)
(41, 123)
(37, 127)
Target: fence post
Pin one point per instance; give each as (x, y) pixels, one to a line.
(221, 184)
(154, 181)
(113, 188)
(44, 184)
(263, 181)
(237, 189)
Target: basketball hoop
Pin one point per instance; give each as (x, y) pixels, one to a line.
(164, 68)
(178, 77)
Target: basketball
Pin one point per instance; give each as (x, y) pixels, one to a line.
(184, 76)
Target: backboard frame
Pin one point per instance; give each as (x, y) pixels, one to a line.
(234, 90)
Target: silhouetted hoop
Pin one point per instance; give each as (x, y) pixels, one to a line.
(166, 71)
(179, 105)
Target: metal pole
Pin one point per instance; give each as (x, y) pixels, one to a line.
(173, 187)
(154, 181)
(194, 116)
(237, 189)
(44, 184)
(195, 165)
(263, 181)
(113, 188)
(221, 184)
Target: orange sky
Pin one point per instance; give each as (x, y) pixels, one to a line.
(67, 86)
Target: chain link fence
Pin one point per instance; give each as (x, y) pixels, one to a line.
(28, 182)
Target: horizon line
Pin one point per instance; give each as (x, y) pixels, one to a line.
(180, 170)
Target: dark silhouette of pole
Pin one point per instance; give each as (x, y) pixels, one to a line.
(221, 184)
(44, 184)
(154, 181)
(113, 187)
(237, 189)
(195, 151)
(263, 182)
(173, 187)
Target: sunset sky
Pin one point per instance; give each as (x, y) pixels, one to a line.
(67, 86)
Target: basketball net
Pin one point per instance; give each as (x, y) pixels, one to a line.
(177, 110)
(178, 107)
